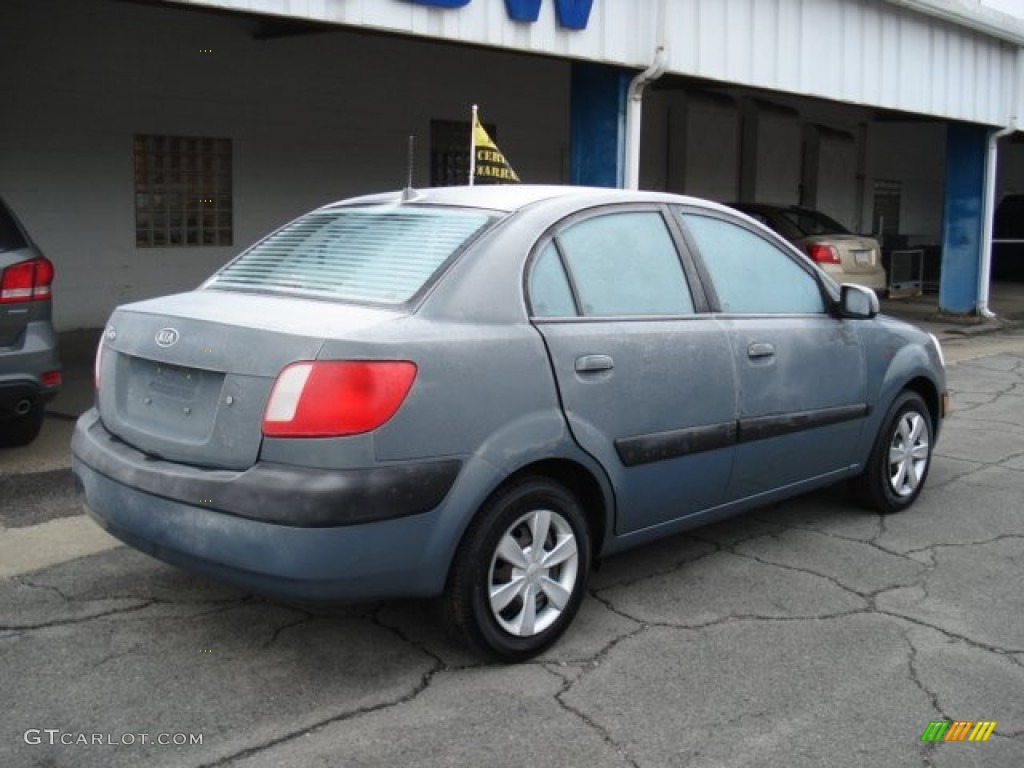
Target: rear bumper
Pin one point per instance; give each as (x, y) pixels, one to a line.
(273, 493)
(22, 365)
(361, 555)
(18, 396)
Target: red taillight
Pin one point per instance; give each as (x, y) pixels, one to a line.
(50, 379)
(823, 254)
(333, 398)
(26, 281)
(16, 282)
(41, 285)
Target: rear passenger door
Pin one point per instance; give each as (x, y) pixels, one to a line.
(645, 374)
(800, 371)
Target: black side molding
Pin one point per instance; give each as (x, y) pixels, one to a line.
(658, 446)
(764, 427)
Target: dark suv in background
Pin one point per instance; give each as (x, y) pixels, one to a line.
(1008, 239)
(29, 364)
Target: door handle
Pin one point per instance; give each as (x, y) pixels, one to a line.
(760, 349)
(594, 363)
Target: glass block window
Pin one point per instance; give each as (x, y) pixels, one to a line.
(182, 191)
(449, 151)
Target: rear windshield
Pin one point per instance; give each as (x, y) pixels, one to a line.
(810, 223)
(11, 238)
(377, 254)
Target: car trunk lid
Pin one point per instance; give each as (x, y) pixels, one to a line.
(186, 377)
(858, 255)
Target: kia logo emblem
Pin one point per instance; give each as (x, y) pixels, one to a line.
(166, 337)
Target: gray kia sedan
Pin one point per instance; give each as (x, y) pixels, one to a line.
(476, 393)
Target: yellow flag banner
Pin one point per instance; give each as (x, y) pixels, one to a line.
(489, 164)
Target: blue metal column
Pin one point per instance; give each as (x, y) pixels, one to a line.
(597, 130)
(966, 147)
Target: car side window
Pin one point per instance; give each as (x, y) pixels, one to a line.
(550, 295)
(626, 264)
(750, 274)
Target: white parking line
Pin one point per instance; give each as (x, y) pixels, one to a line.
(55, 541)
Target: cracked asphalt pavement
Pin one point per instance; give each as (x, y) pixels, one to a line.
(810, 633)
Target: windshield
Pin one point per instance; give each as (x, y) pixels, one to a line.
(377, 254)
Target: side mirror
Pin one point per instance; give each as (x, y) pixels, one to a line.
(857, 302)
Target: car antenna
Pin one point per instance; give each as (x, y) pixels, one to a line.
(409, 193)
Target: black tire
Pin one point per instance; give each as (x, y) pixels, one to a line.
(21, 430)
(531, 619)
(901, 457)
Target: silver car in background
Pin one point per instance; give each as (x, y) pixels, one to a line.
(844, 256)
(476, 393)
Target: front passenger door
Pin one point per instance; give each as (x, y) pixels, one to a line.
(801, 372)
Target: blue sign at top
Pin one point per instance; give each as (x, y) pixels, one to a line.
(442, 3)
(572, 14)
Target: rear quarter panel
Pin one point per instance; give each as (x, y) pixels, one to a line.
(484, 391)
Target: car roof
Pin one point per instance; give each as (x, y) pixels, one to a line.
(513, 197)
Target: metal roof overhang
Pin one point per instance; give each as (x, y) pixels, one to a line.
(973, 15)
